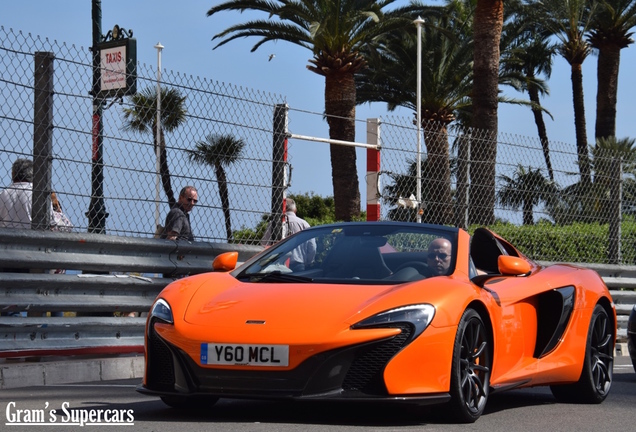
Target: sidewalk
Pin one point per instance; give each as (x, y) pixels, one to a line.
(62, 370)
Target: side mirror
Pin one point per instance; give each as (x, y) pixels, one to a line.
(225, 262)
(513, 266)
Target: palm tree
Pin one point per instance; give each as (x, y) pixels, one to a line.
(607, 153)
(526, 189)
(569, 20)
(403, 186)
(447, 87)
(446, 83)
(596, 202)
(218, 152)
(335, 32)
(487, 27)
(141, 116)
(609, 33)
(529, 51)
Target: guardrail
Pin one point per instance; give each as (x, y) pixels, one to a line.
(621, 280)
(108, 274)
(105, 274)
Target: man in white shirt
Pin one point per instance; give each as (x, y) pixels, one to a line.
(15, 206)
(305, 253)
(16, 199)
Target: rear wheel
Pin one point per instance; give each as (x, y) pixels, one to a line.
(189, 402)
(470, 372)
(596, 377)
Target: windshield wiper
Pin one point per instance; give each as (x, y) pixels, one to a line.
(276, 276)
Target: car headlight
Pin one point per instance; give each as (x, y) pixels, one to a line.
(419, 315)
(161, 310)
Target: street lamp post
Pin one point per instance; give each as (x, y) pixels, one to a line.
(159, 47)
(418, 23)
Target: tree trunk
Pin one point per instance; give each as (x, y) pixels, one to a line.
(340, 109)
(579, 124)
(541, 129)
(609, 57)
(487, 27)
(164, 171)
(221, 180)
(461, 199)
(528, 214)
(437, 179)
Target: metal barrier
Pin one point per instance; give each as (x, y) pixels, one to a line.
(104, 274)
(126, 276)
(621, 280)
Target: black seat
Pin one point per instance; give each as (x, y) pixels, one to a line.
(358, 257)
(485, 251)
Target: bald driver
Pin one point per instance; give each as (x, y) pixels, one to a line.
(439, 257)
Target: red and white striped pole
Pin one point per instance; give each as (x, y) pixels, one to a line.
(373, 170)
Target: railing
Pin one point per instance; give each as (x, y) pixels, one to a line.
(109, 274)
(104, 275)
(621, 280)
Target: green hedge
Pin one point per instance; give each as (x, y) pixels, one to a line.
(579, 242)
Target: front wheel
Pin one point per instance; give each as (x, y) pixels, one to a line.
(596, 377)
(470, 372)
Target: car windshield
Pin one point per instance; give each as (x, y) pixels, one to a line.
(374, 253)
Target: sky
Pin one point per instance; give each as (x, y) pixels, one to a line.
(186, 34)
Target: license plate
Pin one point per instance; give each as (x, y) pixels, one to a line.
(245, 355)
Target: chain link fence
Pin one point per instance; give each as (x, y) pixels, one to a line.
(134, 198)
(538, 196)
(554, 202)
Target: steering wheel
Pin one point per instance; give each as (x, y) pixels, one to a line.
(417, 265)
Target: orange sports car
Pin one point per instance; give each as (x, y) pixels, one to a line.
(390, 311)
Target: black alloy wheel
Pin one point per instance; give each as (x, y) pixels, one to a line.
(596, 377)
(470, 373)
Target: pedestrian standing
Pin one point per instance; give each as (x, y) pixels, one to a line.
(177, 226)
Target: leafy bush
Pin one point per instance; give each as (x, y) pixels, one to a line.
(578, 242)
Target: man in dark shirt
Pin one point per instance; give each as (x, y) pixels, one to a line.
(178, 219)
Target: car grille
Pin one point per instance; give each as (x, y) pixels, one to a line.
(160, 363)
(365, 373)
(363, 377)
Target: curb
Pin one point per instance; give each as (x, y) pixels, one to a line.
(18, 374)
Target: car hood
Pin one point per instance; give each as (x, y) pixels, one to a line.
(280, 305)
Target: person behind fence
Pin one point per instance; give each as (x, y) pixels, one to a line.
(16, 199)
(304, 254)
(59, 220)
(15, 206)
(291, 223)
(177, 226)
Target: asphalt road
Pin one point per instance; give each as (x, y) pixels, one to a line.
(57, 407)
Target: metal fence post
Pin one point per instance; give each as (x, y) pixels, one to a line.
(614, 233)
(463, 174)
(373, 170)
(42, 140)
(279, 159)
